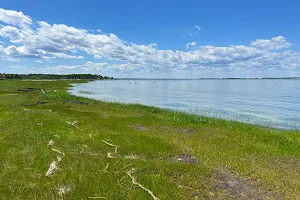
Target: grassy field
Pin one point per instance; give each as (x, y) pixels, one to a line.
(174, 155)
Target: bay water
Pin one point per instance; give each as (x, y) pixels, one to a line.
(267, 102)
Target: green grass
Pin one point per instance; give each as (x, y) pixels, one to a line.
(268, 159)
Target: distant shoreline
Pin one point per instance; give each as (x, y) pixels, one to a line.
(264, 78)
(100, 77)
(54, 76)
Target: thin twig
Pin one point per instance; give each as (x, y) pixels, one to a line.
(93, 154)
(105, 170)
(122, 185)
(112, 145)
(122, 178)
(97, 198)
(49, 183)
(136, 183)
(58, 151)
(119, 184)
(127, 165)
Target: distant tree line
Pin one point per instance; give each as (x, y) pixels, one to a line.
(54, 76)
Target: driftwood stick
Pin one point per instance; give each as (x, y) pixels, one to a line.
(138, 184)
(112, 145)
(44, 93)
(52, 169)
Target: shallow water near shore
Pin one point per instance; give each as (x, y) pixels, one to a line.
(268, 102)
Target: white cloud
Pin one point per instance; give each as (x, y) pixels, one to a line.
(66, 67)
(197, 27)
(44, 41)
(191, 45)
(9, 32)
(275, 43)
(192, 32)
(66, 56)
(14, 18)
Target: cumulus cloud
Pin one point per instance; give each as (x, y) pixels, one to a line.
(274, 43)
(44, 41)
(14, 18)
(9, 32)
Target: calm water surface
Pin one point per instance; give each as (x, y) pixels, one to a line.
(274, 103)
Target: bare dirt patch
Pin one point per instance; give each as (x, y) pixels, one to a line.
(132, 156)
(76, 102)
(184, 158)
(187, 158)
(28, 89)
(186, 130)
(167, 129)
(34, 104)
(139, 127)
(228, 186)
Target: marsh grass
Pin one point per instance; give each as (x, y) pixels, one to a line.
(268, 157)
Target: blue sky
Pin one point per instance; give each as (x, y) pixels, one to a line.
(172, 39)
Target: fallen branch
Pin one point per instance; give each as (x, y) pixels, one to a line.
(97, 198)
(112, 145)
(136, 183)
(52, 168)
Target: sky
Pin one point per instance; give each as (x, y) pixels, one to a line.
(151, 39)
